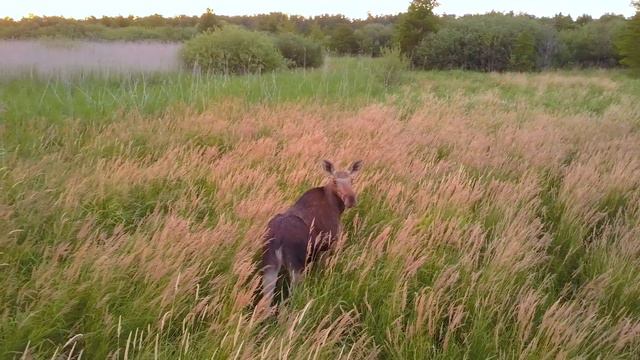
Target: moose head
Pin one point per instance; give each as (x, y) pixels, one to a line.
(341, 182)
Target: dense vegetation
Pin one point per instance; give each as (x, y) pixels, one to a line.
(232, 50)
(498, 214)
(491, 42)
(299, 51)
(628, 42)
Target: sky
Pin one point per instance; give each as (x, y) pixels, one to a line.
(351, 8)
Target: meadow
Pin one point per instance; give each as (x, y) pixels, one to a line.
(498, 214)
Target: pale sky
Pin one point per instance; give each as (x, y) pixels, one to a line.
(351, 8)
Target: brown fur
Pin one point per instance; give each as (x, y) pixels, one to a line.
(308, 228)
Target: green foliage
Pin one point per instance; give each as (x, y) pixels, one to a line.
(275, 22)
(372, 38)
(563, 22)
(391, 66)
(591, 44)
(523, 55)
(415, 24)
(138, 33)
(153, 27)
(232, 50)
(498, 42)
(628, 42)
(584, 19)
(343, 40)
(299, 51)
(316, 34)
(493, 42)
(100, 32)
(559, 41)
(208, 21)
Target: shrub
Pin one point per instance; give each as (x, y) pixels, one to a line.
(137, 33)
(523, 55)
(232, 50)
(208, 21)
(343, 40)
(492, 42)
(628, 42)
(592, 44)
(415, 24)
(299, 51)
(372, 38)
(390, 66)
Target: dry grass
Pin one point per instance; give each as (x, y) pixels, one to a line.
(482, 231)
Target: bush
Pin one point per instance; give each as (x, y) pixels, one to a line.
(391, 66)
(523, 54)
(415, 24)
(592, 44)
(299, 51)
(232, 50)
(137, 33)
(492, 42)
(628, 42)
(372, 38)
(208, 21)
(343, 40)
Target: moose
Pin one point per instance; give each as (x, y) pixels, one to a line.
(296, 237)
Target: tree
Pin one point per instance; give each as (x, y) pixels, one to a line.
(208, 21)
(523, 54)
(299, 51)
(155, 20)
(491, 42)
(344, 41)
(584, 19)
(275, 22)
(562, 22)
(628, 42)
(316, 34)
(592, 44)
(415, 24)
(374, 37)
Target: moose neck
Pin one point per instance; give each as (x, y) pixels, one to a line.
(334, 199)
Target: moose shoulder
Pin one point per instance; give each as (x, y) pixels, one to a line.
(308, 228)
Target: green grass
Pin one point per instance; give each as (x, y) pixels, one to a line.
(95, 100)
(131, 206)
(98, 97)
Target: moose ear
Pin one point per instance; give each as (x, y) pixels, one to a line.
(355, 167)
(328, 167)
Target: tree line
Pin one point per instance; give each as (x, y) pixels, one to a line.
(489, 42)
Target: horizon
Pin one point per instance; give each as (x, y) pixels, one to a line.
(352, 10)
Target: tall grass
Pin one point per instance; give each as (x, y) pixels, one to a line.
(498, 215)
(50, 102)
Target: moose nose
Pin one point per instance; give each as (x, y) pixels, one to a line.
(349, 201)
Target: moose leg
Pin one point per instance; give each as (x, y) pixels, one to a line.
(294, 259)
(270, 275)
(269, 280)
(296, 277)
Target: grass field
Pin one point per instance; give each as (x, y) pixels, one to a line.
(498, 217)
